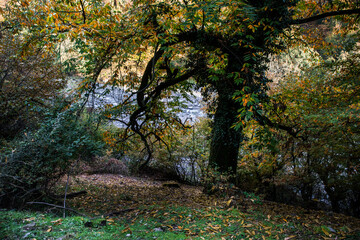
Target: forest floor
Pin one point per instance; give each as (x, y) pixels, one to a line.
(121, 207)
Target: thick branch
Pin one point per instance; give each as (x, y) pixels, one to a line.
(143, 107)
(83, 11)
(263, 120)
(147, 76)
(71, 195)
(172, 82)
(325, 15)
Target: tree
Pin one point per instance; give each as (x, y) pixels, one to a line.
(220, 45)
(322, 104)
(318, 97)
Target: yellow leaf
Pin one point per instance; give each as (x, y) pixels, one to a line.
(325, 231)
(215, 227)
(29, 219)
(228, 202)
(49, 229)
(126, 230)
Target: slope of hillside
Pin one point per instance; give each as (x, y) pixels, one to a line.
(120, 207)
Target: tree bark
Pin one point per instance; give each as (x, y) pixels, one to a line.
(225, 140)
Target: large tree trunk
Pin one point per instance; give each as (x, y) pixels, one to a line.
(226, 139)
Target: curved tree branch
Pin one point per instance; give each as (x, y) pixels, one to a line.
(325, 15)
(263, 120)
(83, 11)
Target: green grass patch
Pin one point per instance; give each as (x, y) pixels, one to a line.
(158, 222)
(153, 222)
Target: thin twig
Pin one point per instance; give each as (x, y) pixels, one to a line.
(66, 188)
(57, 206)
(111, 214)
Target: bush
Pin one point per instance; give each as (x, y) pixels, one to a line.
(218, 183)
(37, 161)
(106, 164)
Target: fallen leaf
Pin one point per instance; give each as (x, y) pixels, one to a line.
(324, 229)
(248, 225)
(126, 230)
(57, 222)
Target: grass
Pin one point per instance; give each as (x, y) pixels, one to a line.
(160, 222)
(164, 213)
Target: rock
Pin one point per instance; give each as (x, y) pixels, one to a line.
(67, 236)
(30, 226)
(88, 224)
(159, 229)
(26, 235)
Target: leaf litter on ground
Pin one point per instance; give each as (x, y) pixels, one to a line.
(142, 208)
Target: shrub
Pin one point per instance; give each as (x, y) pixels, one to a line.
(107, 164)
(218, 183)
(37, 161)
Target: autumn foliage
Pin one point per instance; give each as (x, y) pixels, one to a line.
(294, 140)
(30, 77)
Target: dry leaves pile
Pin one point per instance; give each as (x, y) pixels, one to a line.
(108, 193)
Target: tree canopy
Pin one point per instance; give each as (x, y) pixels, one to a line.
(156, 48)
(302, 128)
